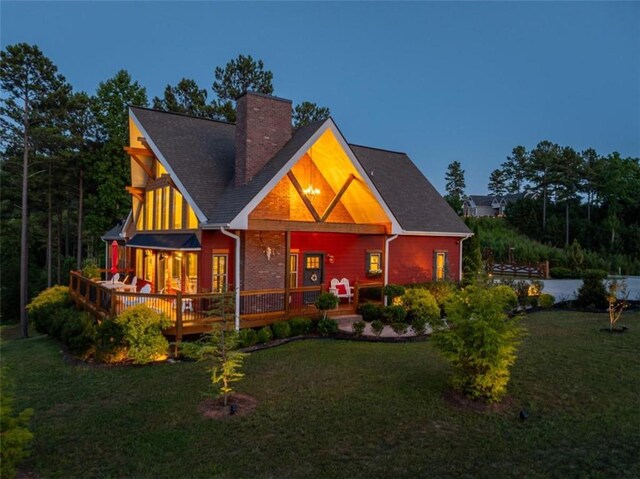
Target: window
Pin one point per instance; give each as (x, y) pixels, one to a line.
(313, 262)
(373, 264)
(293, 271)
(192, 221)
(177, 210)
(219, 273)
(149, 265)
(165, 209)
(440, 265)
(148, 210)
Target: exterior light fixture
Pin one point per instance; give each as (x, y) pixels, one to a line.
(311, 191)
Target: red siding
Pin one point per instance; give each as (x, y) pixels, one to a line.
(411, 258)
(214, 240)
(348, 251)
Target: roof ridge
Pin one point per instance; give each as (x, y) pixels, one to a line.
(155, 110)
(379, 149)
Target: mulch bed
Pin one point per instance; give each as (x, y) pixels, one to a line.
(214, 408)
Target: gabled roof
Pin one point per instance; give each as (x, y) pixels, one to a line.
(482, 200)
(416, 204)
(201, 154)
(199, 151)
(114, 233)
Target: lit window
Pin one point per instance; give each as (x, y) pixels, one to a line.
(148, 211)
(219, 273)
(177, 210)
(192, 221)
(373, 263)
(440, 265)
(293, 271)
(313, 262)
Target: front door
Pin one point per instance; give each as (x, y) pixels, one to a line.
(313, 274)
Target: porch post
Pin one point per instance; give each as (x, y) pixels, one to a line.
(236, 275)
(287, 271)
(386, 264)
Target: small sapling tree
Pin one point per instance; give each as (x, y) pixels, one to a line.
(325, 302)
(481, 342)
(616, 305)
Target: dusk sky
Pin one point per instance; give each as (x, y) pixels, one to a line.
(440, 81)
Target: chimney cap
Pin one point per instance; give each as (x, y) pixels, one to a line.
(264, 95)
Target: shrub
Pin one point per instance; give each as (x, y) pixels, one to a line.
(377, 327)
(559, 272)
(358, 327)
(110, 343)
(79, 334)
(441, 291)
(421, 306)
(392, 291)
(325, 302)
(300, 325)
(481, 342)
(546, 301)
(264, 335)
(597, 273)
(327, 326)
(419, 325)
(592, 294)
(370, 311)
(59, 318)
(90, 269)
(248, 337)
(281, 329)
(394, 314)
(42, 308)
(14, 431)
(142, 328)
(400, 328)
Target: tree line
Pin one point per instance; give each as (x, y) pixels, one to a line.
(568, 195)
(63, 170)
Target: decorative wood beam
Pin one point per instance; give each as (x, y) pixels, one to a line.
(282, 225)
(304, 197)
(139, 151)
(135, 191)
(336, 199)
(143, 165)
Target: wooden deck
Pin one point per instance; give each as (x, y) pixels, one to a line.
(198, 313)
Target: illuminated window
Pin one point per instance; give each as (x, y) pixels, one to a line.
(165, 208)
(440, 265)
(313, 262)
(139, 262)
(219, 273)
(177, 210)
(149, 266)
(192, 221)
(374, 263)
(148, 210)
(158, 210)
(191, 272)
(293, 271)
(160, 170)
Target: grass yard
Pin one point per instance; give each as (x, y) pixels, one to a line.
(343, 409)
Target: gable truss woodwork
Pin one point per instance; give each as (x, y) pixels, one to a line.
(136, 192)
(334, 202)
(137, 154)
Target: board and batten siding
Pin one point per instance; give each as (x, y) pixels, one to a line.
(411, 258)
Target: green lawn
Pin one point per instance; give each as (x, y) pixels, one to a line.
(343, 409)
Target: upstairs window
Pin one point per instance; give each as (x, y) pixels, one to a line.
(165, 209)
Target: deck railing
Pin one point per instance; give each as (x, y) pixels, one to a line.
(196, 313)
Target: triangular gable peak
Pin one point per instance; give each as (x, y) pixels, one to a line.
(323, 187)
(148, 163)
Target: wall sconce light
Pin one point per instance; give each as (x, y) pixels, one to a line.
(330, 258)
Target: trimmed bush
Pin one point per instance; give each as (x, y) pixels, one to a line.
(506, 296)
(14, 431)
(559, 272)
(400, 328)
(441, 291)
(358, 327)
(419, 325)
(264, 335)
(300, 325)
(281, 329)
(43, 307)
(421, 306)
(377, 326)
(110, 343)
(248, 337)
(545, 301)
(79, 334)
(142, 328)
(394, 314)
(370, 311)
(481, 341)
(325, 302)
(592, 294)
(327, 326)
(392, 291)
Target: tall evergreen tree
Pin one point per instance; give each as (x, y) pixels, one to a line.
(455, 185)
(515, 169)
(187, 98)
(566, 173)
(497, 182)
(307, 112)
(30, 81)
(539, 173)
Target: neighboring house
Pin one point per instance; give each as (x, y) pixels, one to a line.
(259, 206)
(487, 205)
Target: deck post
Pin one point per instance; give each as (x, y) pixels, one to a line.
(178, 322)
(114, 305)
(356, 294)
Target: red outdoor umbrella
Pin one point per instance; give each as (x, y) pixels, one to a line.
(114, 257)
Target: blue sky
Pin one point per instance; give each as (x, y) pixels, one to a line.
(440, 81)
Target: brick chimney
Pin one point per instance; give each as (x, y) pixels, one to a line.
(263, 126)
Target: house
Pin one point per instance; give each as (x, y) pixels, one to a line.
(487, 205)
(259, 206)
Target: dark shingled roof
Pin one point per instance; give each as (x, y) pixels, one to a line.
(482, 200)
(414, 201)
(201, 152)
(114, 233)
